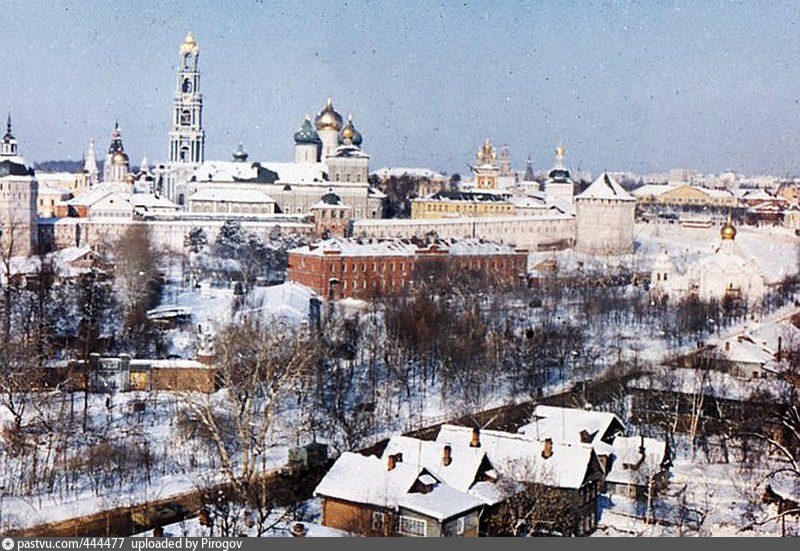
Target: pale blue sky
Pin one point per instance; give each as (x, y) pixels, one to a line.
(626, 86)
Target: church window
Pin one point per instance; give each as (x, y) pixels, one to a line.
(186, 117)
(187, 86)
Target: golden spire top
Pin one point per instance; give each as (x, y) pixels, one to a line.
(189, 45)
(561, 151)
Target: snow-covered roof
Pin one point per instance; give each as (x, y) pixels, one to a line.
(464, 465)
(743, 349)
(361, 479)
(605, 187)
(385, 173)
(224, 171)
(520, 458)
(652, 190)
(348, 151)
(150, 201)
(566, 424)
(52, 190)
(367, 480)
(756, 195)
(229, 195)
(401, 247)
(297, 173)
(90, 197)
(441, 503)
(630, 466)
(711, 382)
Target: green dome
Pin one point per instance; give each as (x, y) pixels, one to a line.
(306, 134)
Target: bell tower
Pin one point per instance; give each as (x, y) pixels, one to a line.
(187, 138)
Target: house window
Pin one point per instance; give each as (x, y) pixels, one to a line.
(460, 526)
(378, 520)
(410, 526)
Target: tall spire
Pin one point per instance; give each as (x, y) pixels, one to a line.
(90, 164)
(561, 153)
(529, 176)
(8, 147)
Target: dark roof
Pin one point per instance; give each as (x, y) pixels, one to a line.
(331, 198)
(468, 196)
(263, 176)
(12, 168)
(559, 175)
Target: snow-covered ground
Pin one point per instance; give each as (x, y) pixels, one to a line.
(278, 524)
(77, 487)
(706, 497)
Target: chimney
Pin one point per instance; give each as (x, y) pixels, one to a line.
(476, 438)
(727, 346)
(641, 446)
(447, 455)
(547, 452)
(780, 348)
(298, 530)
(391, 463)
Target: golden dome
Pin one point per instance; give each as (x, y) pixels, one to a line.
(728, 232)
(328, 118)
(129, 178)
(560, 151)
(189, 45)
(119, 158)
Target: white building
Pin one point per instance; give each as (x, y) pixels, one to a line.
(726, 272)
(19, 195)
(559, 185)
(605, 215)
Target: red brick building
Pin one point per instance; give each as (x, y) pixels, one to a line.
(366, 268)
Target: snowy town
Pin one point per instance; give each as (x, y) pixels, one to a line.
(327, 345)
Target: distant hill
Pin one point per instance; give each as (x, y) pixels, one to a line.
(63, 166)
(58, 166)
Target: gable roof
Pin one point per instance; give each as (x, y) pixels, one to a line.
(360, 479)
(462, 471)
(520, 458)
(566, 424)
(367, 480)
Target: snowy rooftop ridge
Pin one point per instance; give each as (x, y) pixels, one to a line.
(520, 458)
(605, 187)
(402, 247)
(369, 480)
(567, 425)
(229, 195)
(387, 172)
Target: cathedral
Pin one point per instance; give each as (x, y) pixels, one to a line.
(328, 158)
(726, 273)
(19, 194)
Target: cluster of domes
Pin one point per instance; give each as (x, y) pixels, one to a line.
(487, 154)
(329, 119)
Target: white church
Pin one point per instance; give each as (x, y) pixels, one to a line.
(725, 272)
